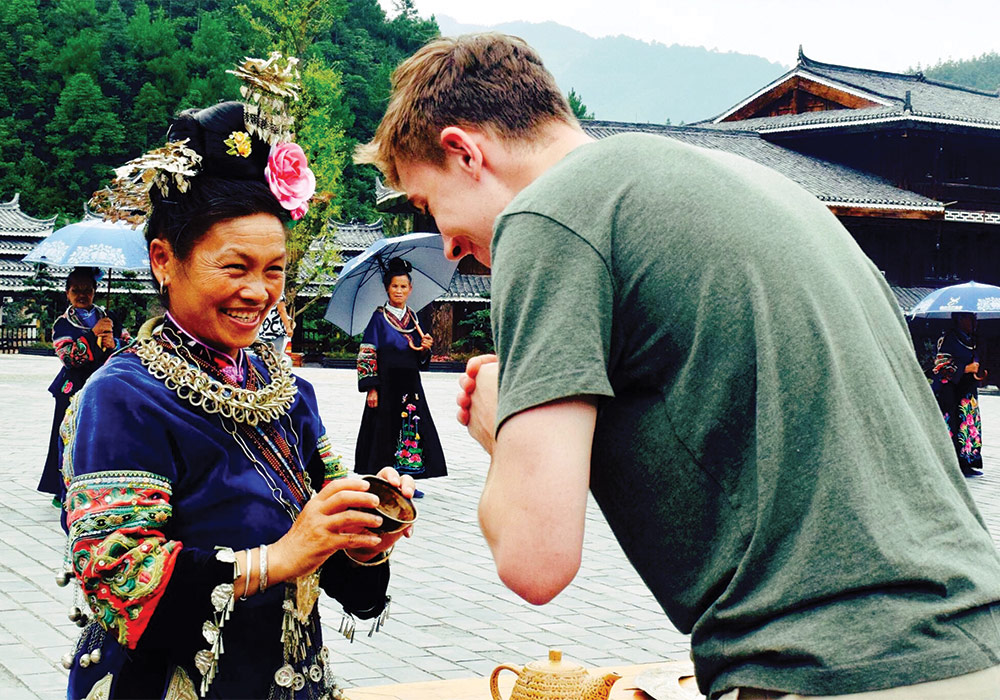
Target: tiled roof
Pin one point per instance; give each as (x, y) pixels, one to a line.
(908, 297)
(17, 247)
(355, 235)
(14, 222)
(904, 97)
(468, 288)
(388, 199)
(830, 182)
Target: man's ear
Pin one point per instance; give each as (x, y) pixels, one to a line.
(465, 147)
(161, 259)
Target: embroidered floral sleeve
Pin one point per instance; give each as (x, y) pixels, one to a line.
(74, 352)
(945, 367)
(119, 553)
(367, 362)
(332, 467)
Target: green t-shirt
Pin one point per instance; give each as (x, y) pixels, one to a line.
(767, 451)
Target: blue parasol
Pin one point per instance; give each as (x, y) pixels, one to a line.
(359, 288)
(94, 243)
(983, 300)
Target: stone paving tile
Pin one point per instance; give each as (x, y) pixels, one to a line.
(451, 616)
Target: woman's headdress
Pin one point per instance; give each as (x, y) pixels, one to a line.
(270, 89)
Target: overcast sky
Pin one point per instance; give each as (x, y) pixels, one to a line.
(891, 35)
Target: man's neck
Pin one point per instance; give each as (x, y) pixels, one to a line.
(555, 142)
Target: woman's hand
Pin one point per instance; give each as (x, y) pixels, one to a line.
(105, 333)
(405, 484)
(426, 341)
(972, 368)
(331, 520)
(372, 398)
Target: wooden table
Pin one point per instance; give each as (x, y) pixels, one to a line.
(479, 688)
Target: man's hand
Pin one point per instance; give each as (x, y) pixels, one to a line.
(372, 398)
(477, 400)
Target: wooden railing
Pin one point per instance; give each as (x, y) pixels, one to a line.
(14, 337)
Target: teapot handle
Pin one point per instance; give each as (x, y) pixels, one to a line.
(494, 679)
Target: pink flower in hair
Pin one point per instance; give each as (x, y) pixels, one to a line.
(289, 177)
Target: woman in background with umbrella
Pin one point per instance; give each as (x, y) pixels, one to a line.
(396, 428)
(956, 377)
(83, 338)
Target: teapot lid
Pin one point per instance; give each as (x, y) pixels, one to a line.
(556, 665)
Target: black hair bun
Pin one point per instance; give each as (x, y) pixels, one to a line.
(207, 131)
(399, 266)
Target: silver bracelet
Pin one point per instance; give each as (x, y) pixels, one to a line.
(246, 585)
(374, 561)
(262, 561)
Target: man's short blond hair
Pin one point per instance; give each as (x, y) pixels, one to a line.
(489, 81)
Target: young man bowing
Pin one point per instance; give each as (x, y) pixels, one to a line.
(700, 342)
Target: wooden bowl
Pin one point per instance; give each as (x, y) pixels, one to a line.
(397, 511)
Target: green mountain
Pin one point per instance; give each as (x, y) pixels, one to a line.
(625, 79)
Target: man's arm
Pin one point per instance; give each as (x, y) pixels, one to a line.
(534, 502)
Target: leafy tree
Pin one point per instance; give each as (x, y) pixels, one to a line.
(576, 104)
(84, 136)
(479, 338)
(982, 73)
(149, 118)
(291, 26)
(320, 117)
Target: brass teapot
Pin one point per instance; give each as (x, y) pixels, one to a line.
(554, 679)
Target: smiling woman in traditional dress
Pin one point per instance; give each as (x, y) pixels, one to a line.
(396, 426)
(204, 502)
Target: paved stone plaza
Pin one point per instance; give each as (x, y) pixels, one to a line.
(450, 617)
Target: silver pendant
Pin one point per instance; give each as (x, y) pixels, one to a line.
(315, 673)
(285, 676)
(210, 631)
(203, 661)
(298, 682)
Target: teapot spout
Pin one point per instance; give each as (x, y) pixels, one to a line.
(599, 688)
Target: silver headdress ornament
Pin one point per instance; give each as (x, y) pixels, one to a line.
(127, 197)
(270, 87)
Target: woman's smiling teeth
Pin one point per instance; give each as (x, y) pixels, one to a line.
(243, 316)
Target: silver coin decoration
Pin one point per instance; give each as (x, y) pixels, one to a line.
(74, 614)
(298, 681)
(315, 673)
(285, 676)
(85, 661)
(95, 656)
(67, 660)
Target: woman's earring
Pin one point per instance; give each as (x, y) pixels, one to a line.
(163, 285)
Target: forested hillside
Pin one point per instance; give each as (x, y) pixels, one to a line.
(88, 84)
(982, 72)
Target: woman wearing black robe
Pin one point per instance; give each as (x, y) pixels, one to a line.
(956, 378)
(396, 428)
